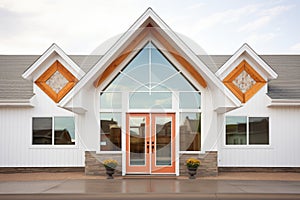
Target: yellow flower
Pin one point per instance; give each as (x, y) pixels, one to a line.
(110, 163)
(192, 162)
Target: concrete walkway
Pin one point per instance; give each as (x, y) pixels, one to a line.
(91, 187)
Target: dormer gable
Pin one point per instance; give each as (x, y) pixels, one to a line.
(54, 73)
(245, 73)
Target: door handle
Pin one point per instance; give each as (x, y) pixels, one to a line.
(152, 149)
(148, 146)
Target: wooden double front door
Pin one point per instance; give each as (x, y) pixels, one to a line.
(150, 143)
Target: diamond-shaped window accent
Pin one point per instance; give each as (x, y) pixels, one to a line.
(244, 81)
(56, 81)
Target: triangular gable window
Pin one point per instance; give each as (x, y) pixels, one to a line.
(150, 71)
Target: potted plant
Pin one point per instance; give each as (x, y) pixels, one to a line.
(110, 166)
(192, 166)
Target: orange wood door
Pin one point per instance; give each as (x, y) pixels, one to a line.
(138, 143)
(163, 143)
(150, 143)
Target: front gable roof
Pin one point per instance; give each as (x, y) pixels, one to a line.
(168, 37)
(245, 49)
(54, 49)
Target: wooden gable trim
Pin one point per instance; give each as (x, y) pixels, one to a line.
(146, 31)
(41, 81)
(244, 97)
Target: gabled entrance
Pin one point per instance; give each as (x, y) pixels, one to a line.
(150, 143)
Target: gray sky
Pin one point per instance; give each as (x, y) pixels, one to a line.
(219, 27)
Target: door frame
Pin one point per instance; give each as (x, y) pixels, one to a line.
(150, 167)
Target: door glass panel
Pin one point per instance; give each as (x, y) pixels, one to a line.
(137, 140)
(163, 130)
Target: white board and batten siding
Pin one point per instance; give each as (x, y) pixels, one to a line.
(284, 137)
(16, 149)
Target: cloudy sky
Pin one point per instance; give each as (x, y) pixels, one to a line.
(219, 27)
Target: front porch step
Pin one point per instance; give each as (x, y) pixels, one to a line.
(150, 176)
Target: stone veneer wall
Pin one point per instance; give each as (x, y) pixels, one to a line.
(94, 166)
(208, 166)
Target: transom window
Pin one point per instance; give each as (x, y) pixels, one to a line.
(150, 82)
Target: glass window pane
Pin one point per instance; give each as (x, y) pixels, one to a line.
(189, 100)
(147, 100)
(111, 100)
(258, 130)
(190, 131)
(236, 130)
(161, 68)
(137, 127)
(42, 130)
(64, 130)
(163, 131)
(110, 134)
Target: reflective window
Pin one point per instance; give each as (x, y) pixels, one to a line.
(137, 127)
(258, 130)
(189, 100)
(150, 70)
(64, 130)
(190, 131)
(110, 134)
(111, 100)
(236, 130)
(146, 100)
(42, 130)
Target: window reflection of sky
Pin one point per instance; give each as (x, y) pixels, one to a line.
(141, 73)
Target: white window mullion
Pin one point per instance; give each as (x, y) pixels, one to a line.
(53, 131)
(247, 130)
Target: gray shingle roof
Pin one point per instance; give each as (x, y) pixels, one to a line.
(13, 86)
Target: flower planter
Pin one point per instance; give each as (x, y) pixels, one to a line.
(192, 172)
(110, 172)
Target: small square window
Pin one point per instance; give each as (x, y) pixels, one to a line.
(64, 130)
(42, 130)
(236, 130)
(259, 130)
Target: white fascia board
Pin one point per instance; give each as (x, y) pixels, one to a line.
(75, 69)
(198, 63)
(123, 39)
(94, 71)
(221, 73)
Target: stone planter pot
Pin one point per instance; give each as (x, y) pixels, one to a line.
(110, 172)
(192, 172)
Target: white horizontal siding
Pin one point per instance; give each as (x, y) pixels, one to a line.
(284, 149)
